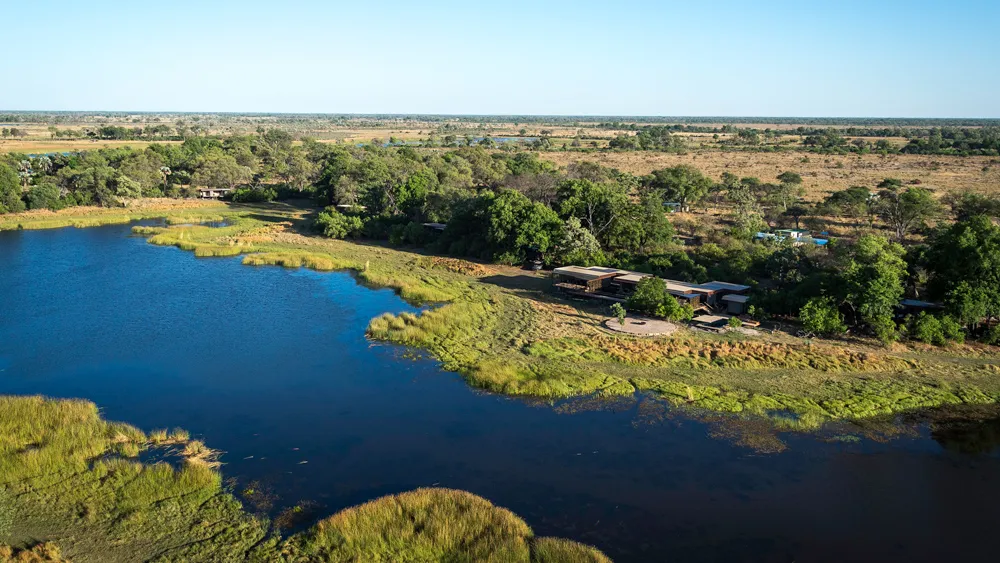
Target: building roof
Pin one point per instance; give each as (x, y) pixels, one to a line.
(680, 286)
(631, 278)
(710, 319)
(736, 298)
(581, 273)
(608, 270)
(916, 303)
(437, 226)
(718, 285)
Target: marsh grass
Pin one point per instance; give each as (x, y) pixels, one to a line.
(319, 262)
(432, 525)
(193, 219)
(557, 550)
(82, 217)
(62, 478)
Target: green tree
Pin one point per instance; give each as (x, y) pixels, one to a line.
(855, 203)
(820, 316)
(905, 211)
(963, 262)
(10, 190)
(873, 276)
(600, 207)
(683, 184)
(44, 196)
(219, 170)
(649, 295)
(577, 245)
(516, 225)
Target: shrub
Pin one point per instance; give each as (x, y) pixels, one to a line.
(252, 195)
(820, 316)
(952, 329)
(935, 330)
(619, 312)
(992, 336)
(734, 322)
(927, 328)
(334, 224)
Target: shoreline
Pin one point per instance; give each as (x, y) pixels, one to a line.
(502, 331)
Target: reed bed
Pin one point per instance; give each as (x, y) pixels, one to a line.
(61, 475)
(432, 525)
(319, 262)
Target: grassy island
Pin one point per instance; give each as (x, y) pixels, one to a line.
(73, 488)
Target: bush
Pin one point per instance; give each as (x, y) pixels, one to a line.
(992, 336)
(252, 195)
(619, 312)
(927, 328)
(334, 224)
(820, 316)
(933, 330)
(734, 322)
(952, 329)
(381, 227)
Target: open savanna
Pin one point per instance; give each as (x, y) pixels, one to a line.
(44, 146)
(505, 332)
(821, 173)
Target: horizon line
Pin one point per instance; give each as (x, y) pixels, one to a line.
(511, 115)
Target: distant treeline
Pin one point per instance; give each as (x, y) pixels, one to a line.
(963, 141)
(864, 122)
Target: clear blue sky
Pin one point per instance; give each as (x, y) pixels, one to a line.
(779, 58)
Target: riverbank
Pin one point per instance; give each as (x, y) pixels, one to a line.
(84, 486)
(505, 332)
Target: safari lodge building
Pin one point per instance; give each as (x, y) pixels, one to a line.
(615, 285)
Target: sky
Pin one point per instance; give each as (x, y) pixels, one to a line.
(874, 58)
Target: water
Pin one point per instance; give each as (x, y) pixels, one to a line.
(272, 366)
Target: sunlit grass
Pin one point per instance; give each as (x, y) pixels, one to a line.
(432, 525)
(63, 478)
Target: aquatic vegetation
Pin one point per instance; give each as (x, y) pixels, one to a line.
(193, 219)
(320, 262)
(63, 483)
(431, 525)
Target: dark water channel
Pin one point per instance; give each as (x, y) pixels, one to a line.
(272, 366)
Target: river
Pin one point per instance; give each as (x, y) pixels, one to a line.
(272, 366)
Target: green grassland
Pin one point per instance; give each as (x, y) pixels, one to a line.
(72, 480)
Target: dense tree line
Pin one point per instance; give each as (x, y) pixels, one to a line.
(500, 206)
(513, 206)
(109, 176)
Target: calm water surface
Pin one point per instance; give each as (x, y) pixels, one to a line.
(272, 366)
